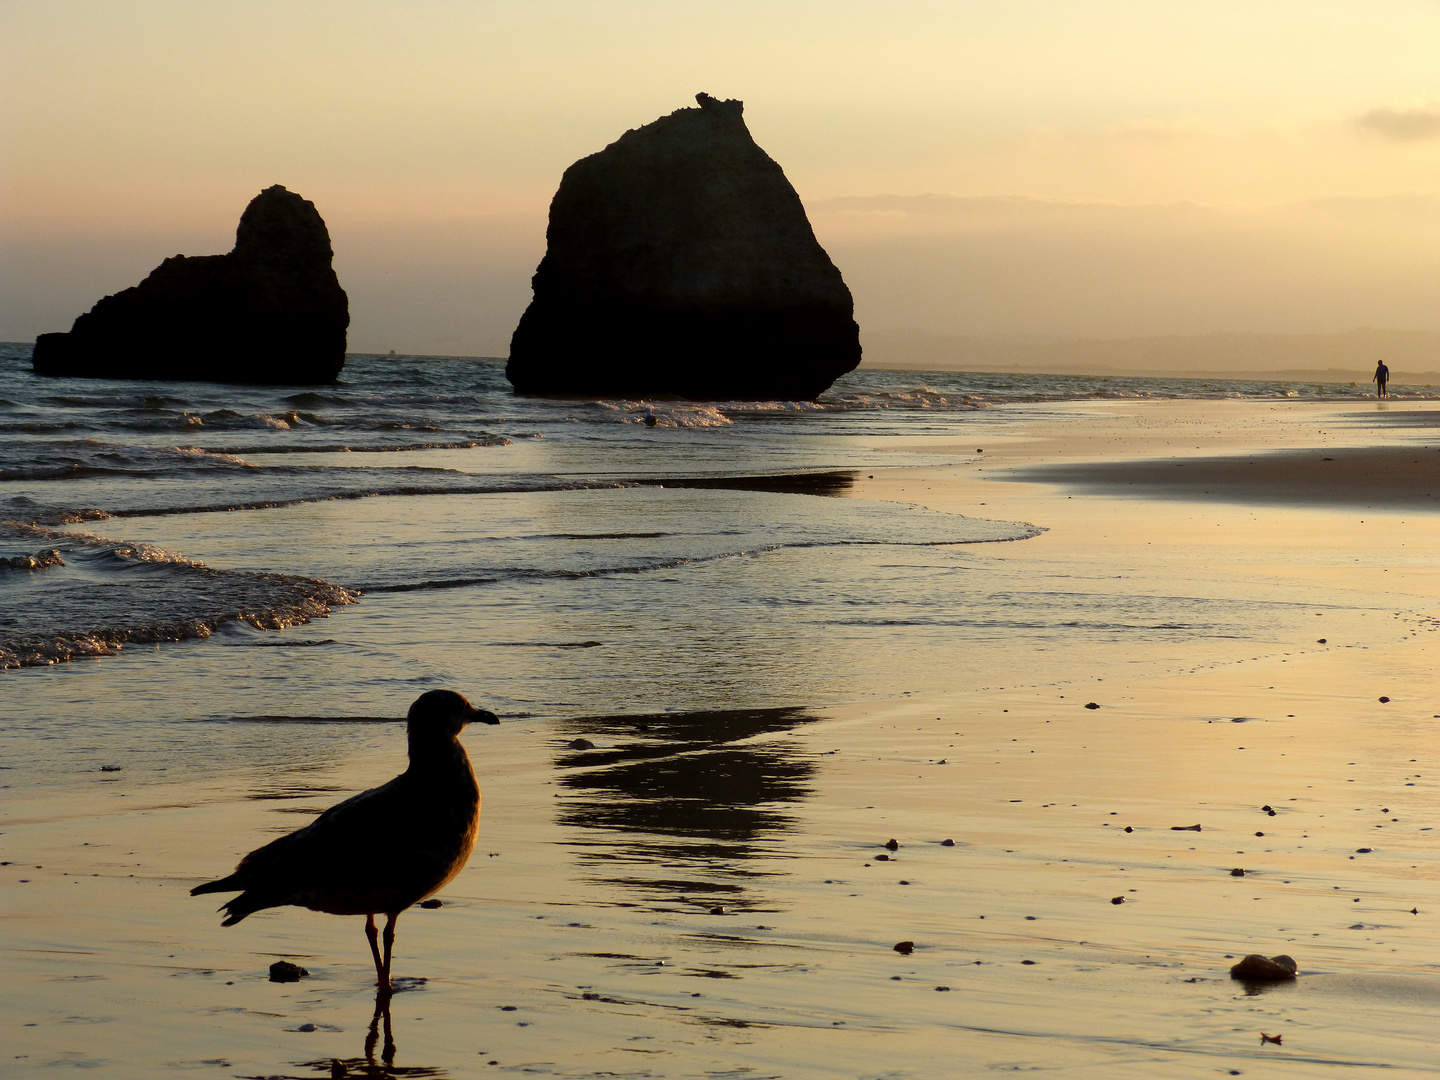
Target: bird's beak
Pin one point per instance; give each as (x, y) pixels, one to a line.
(480, 716)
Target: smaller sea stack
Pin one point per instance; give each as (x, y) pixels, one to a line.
(270, 311)
(680, 262)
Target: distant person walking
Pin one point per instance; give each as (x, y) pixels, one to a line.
(1381, 377)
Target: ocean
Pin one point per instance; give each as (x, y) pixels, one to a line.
(338, 550)
(418, 522)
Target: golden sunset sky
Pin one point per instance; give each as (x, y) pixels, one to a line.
(1092, 167)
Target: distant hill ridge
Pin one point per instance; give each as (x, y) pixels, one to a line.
(1413, 355)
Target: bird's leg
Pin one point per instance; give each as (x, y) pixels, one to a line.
(389, 946)
(382, 973)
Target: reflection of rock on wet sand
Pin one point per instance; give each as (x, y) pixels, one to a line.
(678, 806)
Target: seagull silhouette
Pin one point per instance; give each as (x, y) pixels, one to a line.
(382, 850)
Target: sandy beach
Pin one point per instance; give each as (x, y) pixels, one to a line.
(710, 894)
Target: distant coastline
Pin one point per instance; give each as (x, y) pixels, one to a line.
(1008, 356)
(1413, 355)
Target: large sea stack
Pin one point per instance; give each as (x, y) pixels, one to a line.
(270, 311)
(680, 262)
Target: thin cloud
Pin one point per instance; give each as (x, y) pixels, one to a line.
(1402, 125)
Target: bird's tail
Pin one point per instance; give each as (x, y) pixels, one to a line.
(224, 884)
(238, 907)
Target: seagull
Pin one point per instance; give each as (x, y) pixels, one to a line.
(382, 850)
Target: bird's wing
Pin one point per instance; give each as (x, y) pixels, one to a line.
(339, 834)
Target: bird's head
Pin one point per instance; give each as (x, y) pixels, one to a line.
(443, 714)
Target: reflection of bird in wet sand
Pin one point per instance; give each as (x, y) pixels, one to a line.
(382, 850)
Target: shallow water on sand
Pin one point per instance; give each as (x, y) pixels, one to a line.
(704, 894)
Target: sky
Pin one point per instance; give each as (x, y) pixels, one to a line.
(1098, 168)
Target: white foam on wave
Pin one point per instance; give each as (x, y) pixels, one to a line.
(214, 455)
(92, 608)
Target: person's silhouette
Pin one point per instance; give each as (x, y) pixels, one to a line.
(1380, 378)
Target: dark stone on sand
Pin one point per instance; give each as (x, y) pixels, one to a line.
(942, 989)
(1257, 968)
(1185, 828)
(947, 843)
(431, 904)
(1091, 705)
(717, 911)
(892, 845)
(680, 262)
(1129, 828)
(270, 311)
(904, 948)
(1384, 699)
(284, 971)
(1117, 900)
(1363, 850)
(580, 744)
(882, 858)
(1237, 872)
(1320, 641)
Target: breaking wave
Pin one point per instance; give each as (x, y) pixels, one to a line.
(99, 595)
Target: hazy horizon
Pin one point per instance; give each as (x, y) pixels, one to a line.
(1029, 169)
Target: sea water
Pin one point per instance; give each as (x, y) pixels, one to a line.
(336, 550)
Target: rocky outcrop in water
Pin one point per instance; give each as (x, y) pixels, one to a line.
(270, 311)
(680, 261)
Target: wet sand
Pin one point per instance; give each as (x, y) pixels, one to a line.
(704, 894)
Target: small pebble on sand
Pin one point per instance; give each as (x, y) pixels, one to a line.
(1091, 705)
(904, 948)
(284, 971)
(1257, 968)
(1117, 900)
